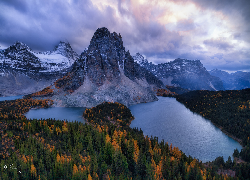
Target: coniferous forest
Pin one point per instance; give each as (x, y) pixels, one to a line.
(105, 147)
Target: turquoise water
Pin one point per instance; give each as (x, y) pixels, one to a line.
(169, 120)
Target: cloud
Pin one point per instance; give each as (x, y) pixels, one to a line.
(220, 44)
(160, 29)
(42, 25)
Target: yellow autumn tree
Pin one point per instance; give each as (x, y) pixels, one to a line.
(136, 150)
(89, 177)
(75, 169)
(33, 170)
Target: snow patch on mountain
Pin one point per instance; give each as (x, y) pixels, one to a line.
(212, 86)
(20, 57)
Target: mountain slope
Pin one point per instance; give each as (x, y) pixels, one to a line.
(105, 72)
(234, 81)
(189, 74)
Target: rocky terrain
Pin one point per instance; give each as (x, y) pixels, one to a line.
(23, 71)
(188, 74)
(105, 71)
(234, 81)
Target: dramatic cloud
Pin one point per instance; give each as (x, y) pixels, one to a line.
(216, 32)
(220, 44)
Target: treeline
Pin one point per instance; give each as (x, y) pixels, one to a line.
(50, 149)
(177, 90)
(45, 92)
(165, 93)
(15, 109)
(230, 110)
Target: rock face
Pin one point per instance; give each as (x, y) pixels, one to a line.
(23, 71)
(105, 72)
(234, 81)
(188, 74)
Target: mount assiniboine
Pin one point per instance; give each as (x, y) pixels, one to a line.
(23, 71)
(105, 72)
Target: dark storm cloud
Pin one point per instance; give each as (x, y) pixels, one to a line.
(19, 5)
(220, 44)
(42, 25)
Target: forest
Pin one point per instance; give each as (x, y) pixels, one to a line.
(103, 148)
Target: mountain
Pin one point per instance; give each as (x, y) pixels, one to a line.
(105, 72)
(189, 74)
(234, 81)
(20, 57)
(23, 71)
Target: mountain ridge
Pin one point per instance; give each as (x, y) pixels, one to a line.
(234, 81)
(23, 71)
(189, 74)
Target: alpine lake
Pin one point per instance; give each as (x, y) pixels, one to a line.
(166, 119)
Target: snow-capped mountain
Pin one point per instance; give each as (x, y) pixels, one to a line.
(105, 72)
(20, 57)
(23, 71)
(234, 81)
(189, 74)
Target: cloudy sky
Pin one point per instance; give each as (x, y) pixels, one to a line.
(217, 32)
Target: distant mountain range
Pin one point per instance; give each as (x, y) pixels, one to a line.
(234, 81)
(104, 71)
(188, 74)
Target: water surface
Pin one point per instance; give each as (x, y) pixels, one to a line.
(167, 119)
(59, 113)
(194, 135)
(11, 98)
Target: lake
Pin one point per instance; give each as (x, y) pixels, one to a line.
(169, 120)
(194, 135)
(59, 113)
(11, 98)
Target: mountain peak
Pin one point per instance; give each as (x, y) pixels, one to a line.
(140, 59)
(101, 32)
(20, 46)
(62, 46)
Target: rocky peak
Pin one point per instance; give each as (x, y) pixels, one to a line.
(105, 41)
(140, 59)
(65, 49)
(106, 72)
(105, 57)
(18, 47)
